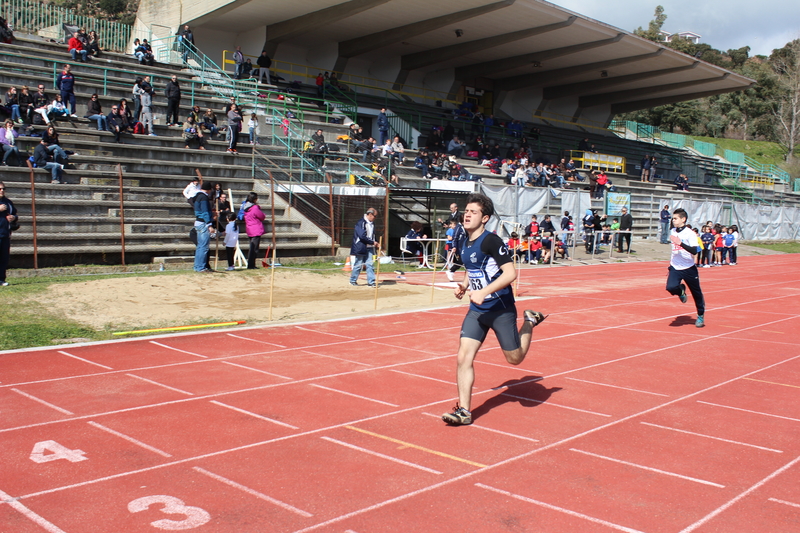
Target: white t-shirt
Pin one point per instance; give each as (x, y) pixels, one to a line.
(681, 259)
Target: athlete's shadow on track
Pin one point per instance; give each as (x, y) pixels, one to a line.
(526, 391)
(683, 320)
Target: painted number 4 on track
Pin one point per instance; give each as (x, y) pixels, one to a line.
(49, 450)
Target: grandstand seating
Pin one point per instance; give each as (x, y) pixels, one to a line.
(78, 222)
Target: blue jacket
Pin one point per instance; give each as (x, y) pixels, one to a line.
(4, 224)
(65, 82)
(202, 207)
(665, 216)
(383, 122)
(360, 239)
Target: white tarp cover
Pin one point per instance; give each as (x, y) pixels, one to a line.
(761, 223)
(506, 203)
(699, 212)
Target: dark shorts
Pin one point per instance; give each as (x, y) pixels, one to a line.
(503, 322)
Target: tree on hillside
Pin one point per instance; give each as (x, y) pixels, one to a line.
(786, 106)
(653, 31)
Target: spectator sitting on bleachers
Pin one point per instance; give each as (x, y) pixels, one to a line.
(76, 48)
(93, 44)
(434, 142)
(6, 35)
(386, 149)
(56, 108)
(488, 123)
(144, 53)
(547, 248)
(94, 112)
(210, 122)
(423, 162)
(514, 246)
(25, 100)
(534, 249)
(681, 183)
(41, 158)
(116, 123)
(398, 150)
(39, 103)
(247, 69)
(192, 132)
(53, 144)
(13, 105)
(367, 147)
(520, 176)
(8, 142)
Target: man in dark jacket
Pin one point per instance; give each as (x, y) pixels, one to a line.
(264, 62)
(203, 225)
(8, 215)
(66, 84)
(664, 220)
(187, 40)
(383, 126)
(625, 224)
(363, 247)
(116, 123)
(40, 101)
(173, 93)
(547, 226)
(42, 159)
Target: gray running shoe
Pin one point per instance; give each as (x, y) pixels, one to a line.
(535, 317)
(700, 322)
(459, 417)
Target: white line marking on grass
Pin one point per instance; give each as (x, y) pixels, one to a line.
(337, 358)
(159, 384)
(649, 469)
(256, 340)
(129, 439)
(711, 437)
(354, 395)
(473, 425)
(252, 492)
(48, 404)
(243, 411)
(323, 332)
(776, 500)
(38, 520)
(421, 376)
(84, 360)
(729, 503)
(553, 404)
(255, 370)
(749, 411)
(177, 349)
(559, 509)
(387, 457)
(618, 387)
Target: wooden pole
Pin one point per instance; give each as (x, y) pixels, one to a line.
(378, 271)
(333, 221)
(33, 218)
(271, 283)
(435, 266)
(121, 213)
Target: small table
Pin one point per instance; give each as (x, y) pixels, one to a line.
(425, 263)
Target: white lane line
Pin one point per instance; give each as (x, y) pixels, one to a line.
(48, 404)
(382, 456)
(732, 501)
(255, 415)
(354, 395)
(252, 492)
(749, 411)
(84, 360)
(559, 509)
(618, 387)
(337, 358)
(160, 384)
(404, 348)
(554, 404)
(506, 366)
(710, 437)
(776, 500)
(177, 349)
(649, 469)
(129, 439)
(38, 520)
(256, 340)
(323, 332)
(255, 370)
(473, 425)
(423, 377)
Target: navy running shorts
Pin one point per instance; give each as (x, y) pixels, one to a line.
(503, 322)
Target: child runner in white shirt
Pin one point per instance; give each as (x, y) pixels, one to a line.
(685, 245)
(490, 272)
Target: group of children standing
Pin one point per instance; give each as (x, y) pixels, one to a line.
(718, 243)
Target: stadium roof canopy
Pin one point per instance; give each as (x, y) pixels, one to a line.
(562, 59)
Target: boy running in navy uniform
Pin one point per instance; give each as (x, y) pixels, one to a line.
(490, 272)
(685, 245)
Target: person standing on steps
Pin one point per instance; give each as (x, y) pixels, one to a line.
(264, 63)
(234, 126)
(173, 93)
(490, 273)
(682, 268)
(66, 84)
(383, 126)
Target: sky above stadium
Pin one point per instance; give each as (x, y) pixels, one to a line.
(723, 24)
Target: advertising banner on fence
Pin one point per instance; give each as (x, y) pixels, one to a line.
(615, 201)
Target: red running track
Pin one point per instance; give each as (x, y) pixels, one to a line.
(623, 417)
